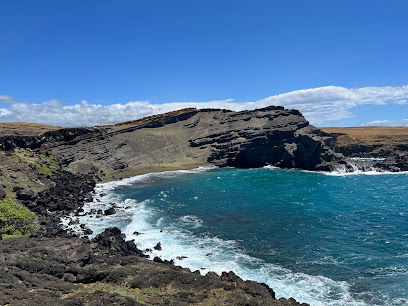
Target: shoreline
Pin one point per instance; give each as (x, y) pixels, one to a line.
(52, 254)
(160, 238)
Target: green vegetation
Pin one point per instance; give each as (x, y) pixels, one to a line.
(51, 161)
(139, 266)
(15, 220)
(29, 153)
(122, 290)
(43, 169)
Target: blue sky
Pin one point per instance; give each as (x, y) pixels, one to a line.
(88, 59)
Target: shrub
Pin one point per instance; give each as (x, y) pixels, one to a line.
(15, 220)
(43, 169)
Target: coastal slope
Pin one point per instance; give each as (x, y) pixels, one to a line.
(186, 139)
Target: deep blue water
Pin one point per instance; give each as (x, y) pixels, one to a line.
(323, 239)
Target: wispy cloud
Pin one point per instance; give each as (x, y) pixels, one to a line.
(323, 104)
(318, 105)
(7, 99)
(402, 122)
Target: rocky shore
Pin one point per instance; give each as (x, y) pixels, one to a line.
(52, 171)
(53, 267)
(386, 146)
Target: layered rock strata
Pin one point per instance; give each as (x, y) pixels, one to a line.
(188, 138)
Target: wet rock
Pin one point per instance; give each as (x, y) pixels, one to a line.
(88, 231)
(394, 162)
(109, 211)
(114, 205)
(112, 242)
(158, 247)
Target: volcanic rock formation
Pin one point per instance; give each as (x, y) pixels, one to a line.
(188, 138)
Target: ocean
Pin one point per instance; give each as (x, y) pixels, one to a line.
(321, 238)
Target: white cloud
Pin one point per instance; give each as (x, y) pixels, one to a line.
(318, 105)
(330, 103)
(7, 99)
(401, 102)
(402, 122)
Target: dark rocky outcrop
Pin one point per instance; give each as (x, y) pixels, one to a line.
(26, 195)
(190, 138)
(67, 195)
(109, 211)
(108, 271)
(378, 142)
(112, 242)
(10, 142)
(394, 162)
(270, 136)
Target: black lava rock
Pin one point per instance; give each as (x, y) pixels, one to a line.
(26, 195)
(109, 211)
(112, 242)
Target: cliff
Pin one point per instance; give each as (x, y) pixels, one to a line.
(370, 141)
(186, 139)
(383, 142)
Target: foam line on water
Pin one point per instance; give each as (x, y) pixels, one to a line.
(103, 199)
(214, 254)
(340, 172)
(218, 255)
(107, 186)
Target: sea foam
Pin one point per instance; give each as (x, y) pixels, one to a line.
(141, 222)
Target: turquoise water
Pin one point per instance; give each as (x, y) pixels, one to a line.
(322, 239)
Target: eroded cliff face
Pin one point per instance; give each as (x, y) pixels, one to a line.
(189, 138)
(269, 136)
(51, 171)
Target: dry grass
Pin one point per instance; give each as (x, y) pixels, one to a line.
(370, 131)
(391, 139)
(26, 129)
